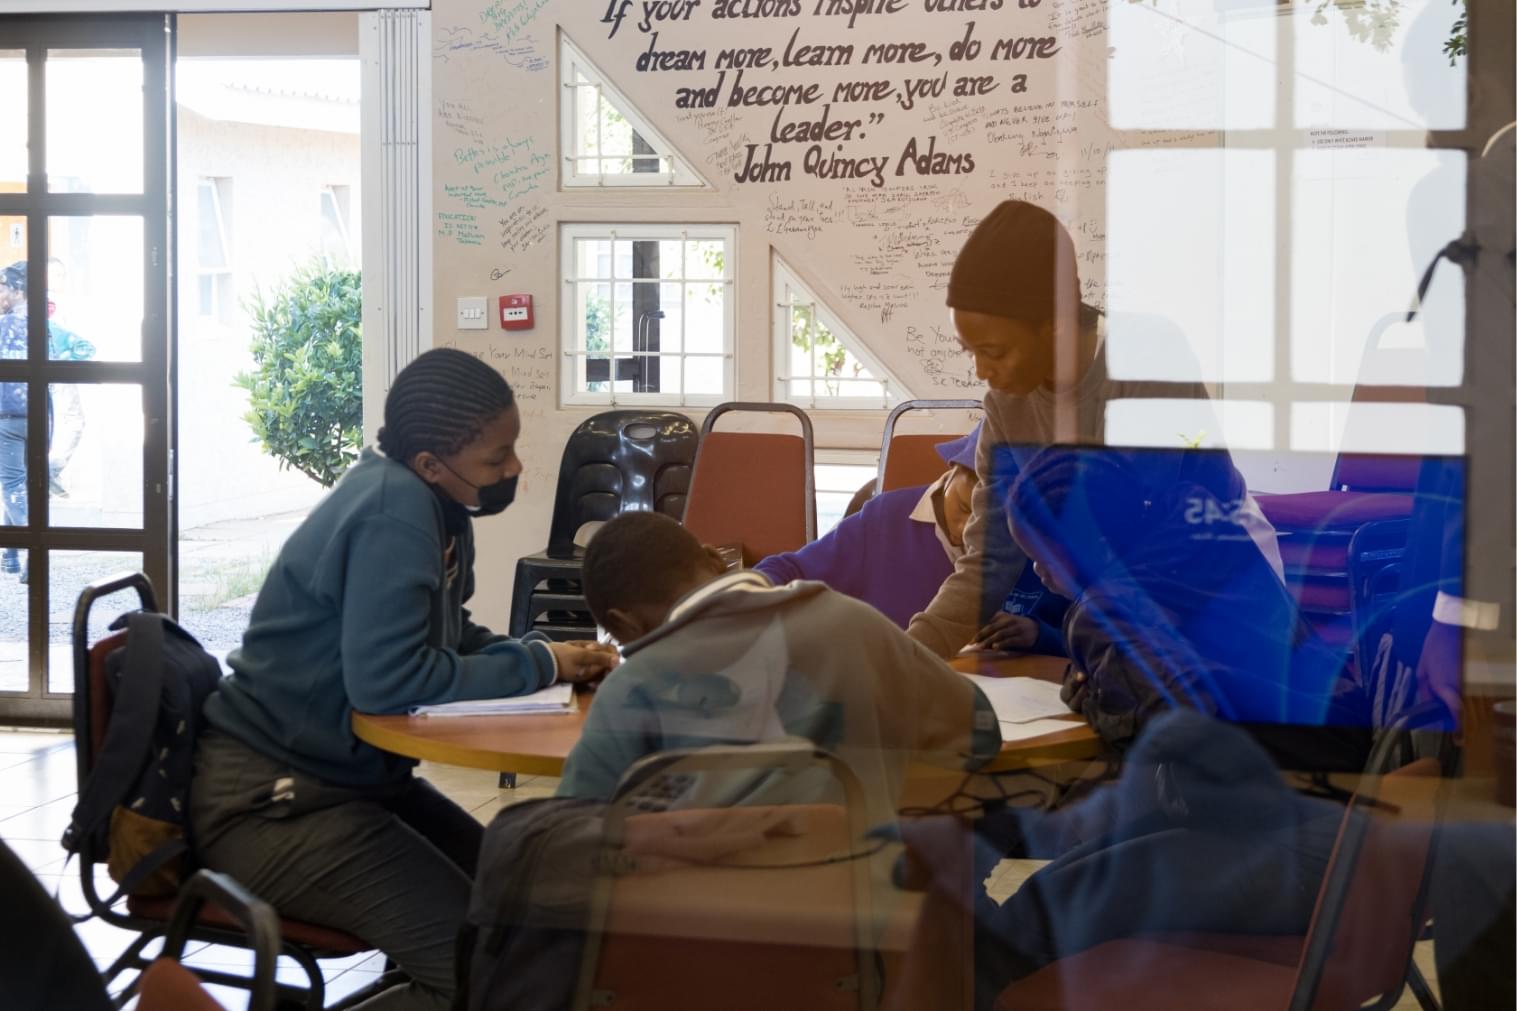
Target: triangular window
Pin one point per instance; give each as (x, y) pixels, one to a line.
(605, 141)
(819, 362)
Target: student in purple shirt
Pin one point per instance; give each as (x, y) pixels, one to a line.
(895, 552)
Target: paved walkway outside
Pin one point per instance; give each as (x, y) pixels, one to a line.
(221, 567)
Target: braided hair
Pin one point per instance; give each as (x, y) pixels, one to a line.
(440, 403)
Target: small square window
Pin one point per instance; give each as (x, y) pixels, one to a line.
(649, 314)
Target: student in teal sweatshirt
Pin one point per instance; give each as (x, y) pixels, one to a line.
(364, 610)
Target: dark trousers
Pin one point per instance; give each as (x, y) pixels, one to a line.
(1200, 833)
(393, 866)
(13, 473)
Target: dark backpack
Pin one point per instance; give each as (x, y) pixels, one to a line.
(133, 806)
(521, 945)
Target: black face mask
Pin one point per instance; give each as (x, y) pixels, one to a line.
(493, 498)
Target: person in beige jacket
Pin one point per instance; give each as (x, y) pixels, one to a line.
(1014, 300)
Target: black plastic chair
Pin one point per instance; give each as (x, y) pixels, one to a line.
(150, 918)
(615, 462)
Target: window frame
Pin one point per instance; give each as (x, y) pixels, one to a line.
(569, 344)
(342, 214)
(785, 283)
(1285, 138)
(679, 173)
(220, 277)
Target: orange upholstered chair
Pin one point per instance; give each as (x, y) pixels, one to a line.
(146, 916)
(910, 460)
(756, 490)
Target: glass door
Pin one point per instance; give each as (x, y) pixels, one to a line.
(85, 422)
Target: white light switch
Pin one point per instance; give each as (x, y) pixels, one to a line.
(471, 314)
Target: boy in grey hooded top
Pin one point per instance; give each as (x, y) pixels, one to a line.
(714, 658)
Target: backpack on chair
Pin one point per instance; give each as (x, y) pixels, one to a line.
(133, 804)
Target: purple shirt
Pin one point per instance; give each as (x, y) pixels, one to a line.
(895, 564)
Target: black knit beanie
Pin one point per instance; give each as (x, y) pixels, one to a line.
(1019, 263)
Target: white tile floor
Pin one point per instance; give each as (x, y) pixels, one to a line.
(37, 785)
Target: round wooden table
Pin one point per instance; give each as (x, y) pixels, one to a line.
(538, 745)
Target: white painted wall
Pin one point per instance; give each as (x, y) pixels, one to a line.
(1185, 241)
(277, 176)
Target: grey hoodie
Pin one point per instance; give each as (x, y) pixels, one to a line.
(740, 661)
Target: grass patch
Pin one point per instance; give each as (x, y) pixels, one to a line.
(235, 578)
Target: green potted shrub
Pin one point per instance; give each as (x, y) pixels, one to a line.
(305, 391)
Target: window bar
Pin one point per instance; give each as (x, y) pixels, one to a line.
(684, 332)
(811, 339)
(600, 154)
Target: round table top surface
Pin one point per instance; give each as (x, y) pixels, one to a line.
(538, 745)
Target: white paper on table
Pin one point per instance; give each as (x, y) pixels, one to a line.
(1034, 728)
(1021, 699)
(555, 699)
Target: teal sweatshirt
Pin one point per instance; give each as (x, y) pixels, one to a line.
(362, 610)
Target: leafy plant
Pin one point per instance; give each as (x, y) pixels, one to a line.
(1372, 21)
(1376, 21)
(305, 391)
(1458, 43)
(809, 333)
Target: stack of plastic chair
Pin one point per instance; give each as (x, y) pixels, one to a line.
(618, 461)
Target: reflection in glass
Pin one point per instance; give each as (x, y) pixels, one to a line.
(1190, 266)
(1365, 225)
(1190, 66)
(1385, 67)
(94, 288)
(13, 154)
(95, 456)
(94, 107)
(1229, 424)
(69, 572)
(14, 323)
(1409, 428)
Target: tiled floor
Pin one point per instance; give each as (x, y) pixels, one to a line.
(37, 784)
(37, 788)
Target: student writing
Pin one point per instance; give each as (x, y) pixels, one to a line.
(364, 609)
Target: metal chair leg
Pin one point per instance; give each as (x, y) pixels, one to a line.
(1421, 990)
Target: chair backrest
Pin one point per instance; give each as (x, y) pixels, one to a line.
(622, 461)
(913, 461)
(1374, 560)
(1368, 472)
(93, 699)
(755, 489)
(253, 916)
(910, 460)
(1383, 379)
(718, 932)
(1371, 907)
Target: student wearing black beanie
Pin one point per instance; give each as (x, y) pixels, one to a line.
(1014, 299)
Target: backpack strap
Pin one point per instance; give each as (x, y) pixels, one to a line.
(140, 872)
(134, 715)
